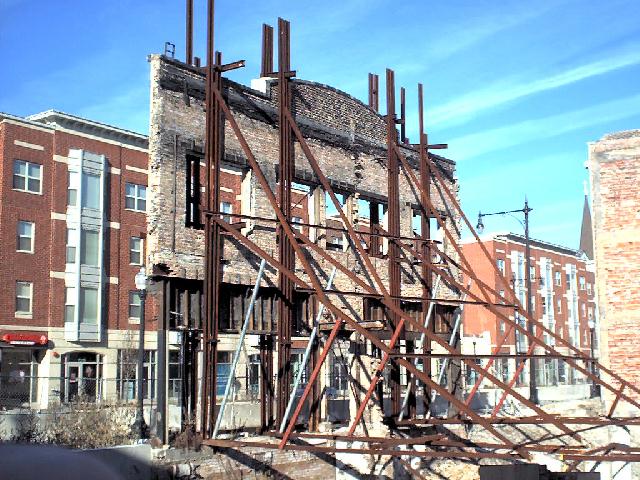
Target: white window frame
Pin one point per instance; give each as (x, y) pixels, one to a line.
(71, 241)
(137, 188)
(73, 184)
(27, 177)
(70, 300)
(133, 293)
(558, 278)
(31, 238)
(295, 223)
(227, 212)
(582, 283)
(501, 264)
(133, 251)
(19, 313)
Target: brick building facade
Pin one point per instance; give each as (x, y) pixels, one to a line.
(614, 168)
(349, 140)
(564, 300)
(73, 229)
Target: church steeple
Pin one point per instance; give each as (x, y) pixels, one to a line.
(586, 232)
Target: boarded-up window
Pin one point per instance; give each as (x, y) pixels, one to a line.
(234, 301)
(374, 310)
(414, 310)
(192, 177)
(444, 318)
(303, 313)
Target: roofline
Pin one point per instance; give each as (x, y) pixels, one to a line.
(201, 72)
(52, 114)
(16, 118)
(518, 238)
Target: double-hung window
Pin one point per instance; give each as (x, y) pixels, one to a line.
(226, 209)
(135, 250)
(89, 247)
(91, 191)
(135, 197)
(88, 306)
(27, 176)
(135, 308)
(24, 298)
(71, 245)
(25, 236)
(70, 304)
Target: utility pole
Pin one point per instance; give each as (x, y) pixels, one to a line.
(141, 285)
(533, 390)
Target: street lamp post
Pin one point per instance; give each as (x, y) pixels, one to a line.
(141, 285)
(594, 386)
(533, 391)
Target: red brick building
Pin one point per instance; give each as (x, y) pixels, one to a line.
(564, 300)
(614, 168)
(73, 227)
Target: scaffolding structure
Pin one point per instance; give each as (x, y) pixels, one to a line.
(293, 249)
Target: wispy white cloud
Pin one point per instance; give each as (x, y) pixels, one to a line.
(127, 108)
(464, 108)
(480, 143)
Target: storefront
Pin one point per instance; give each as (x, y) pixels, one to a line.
(20, 356)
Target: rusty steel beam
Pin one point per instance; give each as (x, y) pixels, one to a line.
(337, 312)
(214, 131)
(532, 420)
(461, 287)
(535, 322)
(364, 451)
(189, 33)
(403, 117)
(425, 236)
(362, 235)
(307, 267)
(473, 276)
(266, 65)
(570, 360)
(286, 313)
(364, 257)
(393, 219)
(373, 91)
(267, 393)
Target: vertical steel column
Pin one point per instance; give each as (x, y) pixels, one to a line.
(266, 65)
(189, 32)
(162, 293)
(393, 194)
(286, 254)
(266, 382)
(403, 117)
(373, 91)
(425, 235)
(214, 125)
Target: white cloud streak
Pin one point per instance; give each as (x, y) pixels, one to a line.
(463, 109)
(480, 143)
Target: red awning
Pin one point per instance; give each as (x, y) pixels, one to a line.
(27, 339)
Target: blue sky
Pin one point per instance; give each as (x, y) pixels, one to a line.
(516, 89)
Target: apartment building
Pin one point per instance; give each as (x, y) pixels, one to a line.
(563, 299)
(73, 207)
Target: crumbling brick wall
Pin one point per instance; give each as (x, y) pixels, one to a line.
(347, 138)
(614, 165)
